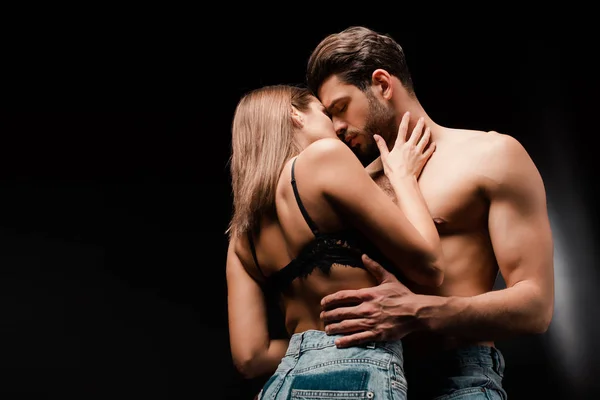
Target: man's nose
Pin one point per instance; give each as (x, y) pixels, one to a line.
(340, 128)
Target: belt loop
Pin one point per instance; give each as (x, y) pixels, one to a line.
(299, 347)
(371, 345)
(496, 360)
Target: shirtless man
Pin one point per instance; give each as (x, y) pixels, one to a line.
(488, 201)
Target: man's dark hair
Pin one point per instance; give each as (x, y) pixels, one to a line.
(353, 54)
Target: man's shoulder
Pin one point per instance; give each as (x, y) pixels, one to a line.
(503, 144)
(478, 134)
(500, 158)
(487, 142)
(490, 154)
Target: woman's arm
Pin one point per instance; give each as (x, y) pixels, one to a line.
(402, 166)
(254, 353)
(342, 181)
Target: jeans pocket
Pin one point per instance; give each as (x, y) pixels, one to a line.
(472, 393)
(303, 394)
(472, 384)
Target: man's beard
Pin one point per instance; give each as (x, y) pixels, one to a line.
(381, 120)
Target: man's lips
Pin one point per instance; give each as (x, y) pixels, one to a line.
(350, 140)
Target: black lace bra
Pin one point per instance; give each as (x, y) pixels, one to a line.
(326, 249)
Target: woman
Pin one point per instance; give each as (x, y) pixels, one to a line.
(304, 207)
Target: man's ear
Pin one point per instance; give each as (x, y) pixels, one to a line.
(297, 119)
(382, 82)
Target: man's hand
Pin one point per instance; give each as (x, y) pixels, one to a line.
(384, 312)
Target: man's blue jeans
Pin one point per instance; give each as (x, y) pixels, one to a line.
(472, 372)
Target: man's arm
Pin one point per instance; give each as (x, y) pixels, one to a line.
(520, 232)
(254, 353)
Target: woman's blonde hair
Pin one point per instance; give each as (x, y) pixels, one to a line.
(262, 141)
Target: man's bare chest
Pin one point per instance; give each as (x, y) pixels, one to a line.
(453, 200)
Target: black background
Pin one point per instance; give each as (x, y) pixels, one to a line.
(115, 192)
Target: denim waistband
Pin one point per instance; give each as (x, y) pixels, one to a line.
(464, 356)
(314, 339)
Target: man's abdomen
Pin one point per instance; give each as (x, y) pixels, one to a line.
(471, 269)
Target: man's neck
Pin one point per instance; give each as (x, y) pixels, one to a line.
(411, 104)
(435, 129)
(375, 167)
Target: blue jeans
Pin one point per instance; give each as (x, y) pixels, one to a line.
(314, 368)
(472, 372)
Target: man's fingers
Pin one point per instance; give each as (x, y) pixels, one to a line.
(342, 298)
(347, 326)
(380, 273)
(356, 339)
(342, 313)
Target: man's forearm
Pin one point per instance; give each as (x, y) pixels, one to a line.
(520, 309)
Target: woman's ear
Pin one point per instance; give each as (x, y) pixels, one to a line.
(297, 119)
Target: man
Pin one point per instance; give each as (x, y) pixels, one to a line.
(488, 201)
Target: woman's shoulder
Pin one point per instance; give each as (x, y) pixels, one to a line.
(325, 150)
(325, 145)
